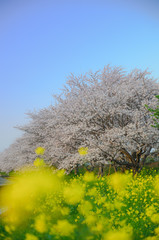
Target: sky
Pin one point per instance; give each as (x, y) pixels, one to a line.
(42, 42)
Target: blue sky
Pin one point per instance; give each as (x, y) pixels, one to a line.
(42, 42)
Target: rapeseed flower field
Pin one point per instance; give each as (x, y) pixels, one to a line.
(44, 204)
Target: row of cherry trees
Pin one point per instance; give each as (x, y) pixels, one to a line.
(104, 111)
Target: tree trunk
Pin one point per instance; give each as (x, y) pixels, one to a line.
(76, 169)
(100, 172)
(123, 169)
(110, 165)
(115, 168)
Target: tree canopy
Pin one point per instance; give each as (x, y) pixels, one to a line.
(104, 111)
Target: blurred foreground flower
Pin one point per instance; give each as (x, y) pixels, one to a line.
(83, 151)
(23, 196)
(63, 228)
(40, 150)
(40, 223)
(39, 162)
(118, 235)
(74, 193)
(31, 237)
(119, 182)
(89, 177)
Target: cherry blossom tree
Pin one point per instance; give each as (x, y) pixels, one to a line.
(104, 111)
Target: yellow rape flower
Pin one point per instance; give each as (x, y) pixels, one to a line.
(40, 150)
(150, 211)
(63, 228)
(157, 231)
(61, 173)
(31, 237)
(98, 227)
(83, 151)
(152, 238)
(85, 207)
(90, 220)
(65, 211)
(73, 193)
(117, 235)
(21, 197)
(118, 204)
(89, 177)
(92, 192)
(119, 181)
(9, 229)
(155, 218)
(40, 223)
(39, 162)
(109, 206)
